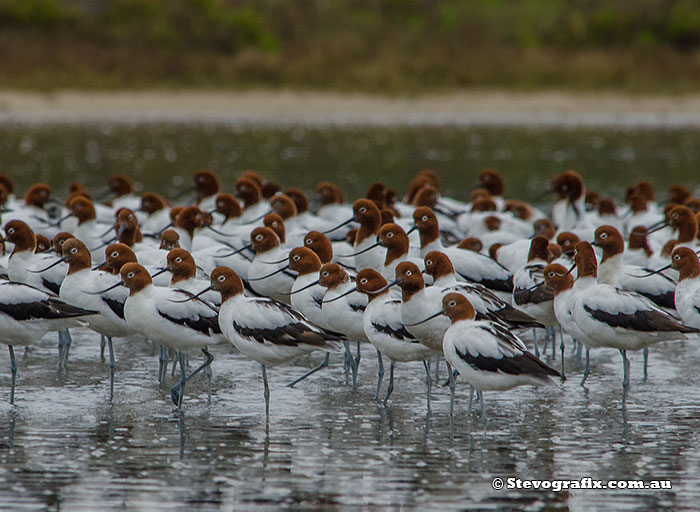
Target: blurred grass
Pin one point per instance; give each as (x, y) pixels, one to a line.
(388, 46)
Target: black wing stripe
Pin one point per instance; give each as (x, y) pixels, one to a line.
(502, 285)
(207, 325)
(516, 318)
(644, 321)
(290, 335)
(401, 334)
(116, 306)
(522, 364)
(50, 285)
(540, 294)
(664, 300)
(48, 309)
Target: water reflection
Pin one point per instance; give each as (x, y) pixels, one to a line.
(163, 157)
(65, 446)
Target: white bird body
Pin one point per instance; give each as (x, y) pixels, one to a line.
(420, 306)
(345, 314)
(609, 317)
(78, 289)
(268, 331)
(687, 297)
(156, 313)
(27, 313)
(490, 357)
(384, 328)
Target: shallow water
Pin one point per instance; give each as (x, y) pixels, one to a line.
(64, 446)
(163, 157)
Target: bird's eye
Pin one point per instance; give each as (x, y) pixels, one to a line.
(408, 272)
(114, 254)
(603, 235)
(429, 263)
(363, 210)
(308, 241)
(677, 257)
(389, 235)
(178, 260)
(324, 274)
(363, 280)
(674, 216)
(452, 304)
(551, 274)
(424, 218)
(259, 237)
(274, 224)
(130, 274)
(130, 217)
(74, 250)
(222, 278)
(296, 258)
(11, 230)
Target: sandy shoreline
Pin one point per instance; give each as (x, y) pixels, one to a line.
(288, 107)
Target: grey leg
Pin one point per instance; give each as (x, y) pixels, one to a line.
(646, 362)
(103, 342)
(380, 374)
(579, 350)
(437, 367)
(428, 381)
(587, 371)
(267, 392)
(480, 395)
(471, 399)
(390, 389)
(13, 370)
(534, 340)
(357, 367)
(112, 365)
(546, 342)
(625, 370)
(562, 347)
(321, 366)
(552, 334)
(183, 380)
(66, 349)
(161, 364)
(61, 345)
(177, 391)
(453, 384)
(346, 361)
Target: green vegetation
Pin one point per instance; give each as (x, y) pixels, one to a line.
(367, 45)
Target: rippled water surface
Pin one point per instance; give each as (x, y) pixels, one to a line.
(65, 446)
(163, 157)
